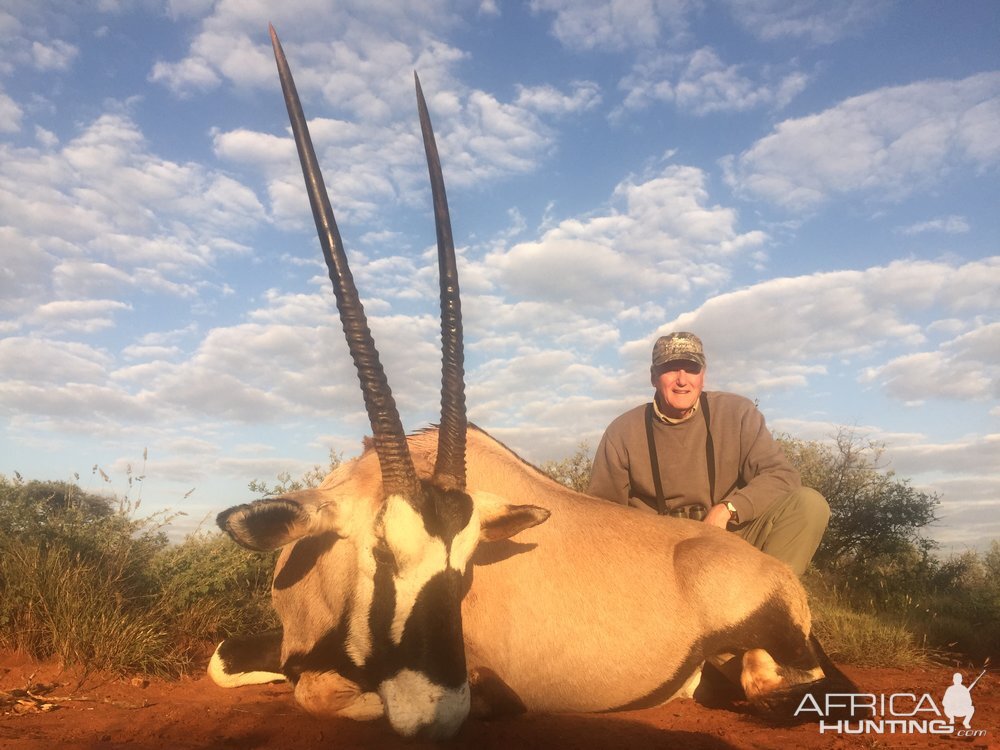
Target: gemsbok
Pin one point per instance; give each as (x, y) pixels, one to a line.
(438, 572)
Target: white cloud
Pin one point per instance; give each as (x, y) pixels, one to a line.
(887, 143)
(10, 114)
(701, 83)
(662, 238)
(946, 224)
(796, 324)
(708, 85)
(103, 216)
(615, 25)
(25, 273)
(818, 21)
(966, 367)
(56, 55)
(47, 361)
(480, 139)
(489, 8)
(76, 316)
(357, 54)
(185, 76)
(585, 95)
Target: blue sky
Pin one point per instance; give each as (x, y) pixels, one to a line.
(811, 186)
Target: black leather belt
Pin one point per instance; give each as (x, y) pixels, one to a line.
(695, 512)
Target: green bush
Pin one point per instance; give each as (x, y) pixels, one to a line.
(59, 603)
(877, 559)
(213, 589)
(573, 472)
(76, 580)
(83, 579)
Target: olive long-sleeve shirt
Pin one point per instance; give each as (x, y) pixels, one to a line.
(751, 470)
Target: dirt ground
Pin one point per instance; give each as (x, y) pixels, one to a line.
(43, 707)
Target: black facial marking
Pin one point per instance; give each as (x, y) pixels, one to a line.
(329, 654)
(303, 558)
(384, 659)
(445, 512)
(432, 640)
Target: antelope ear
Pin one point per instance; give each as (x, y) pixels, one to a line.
(501, 520)
(271, 523)
(265, 525)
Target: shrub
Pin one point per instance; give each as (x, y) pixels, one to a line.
(211, 588)
(58, 603)
(75, 579)
(83, 579)
(573, 472)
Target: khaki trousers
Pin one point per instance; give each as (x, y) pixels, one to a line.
(791, 529)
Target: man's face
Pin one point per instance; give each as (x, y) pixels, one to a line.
(678, 386)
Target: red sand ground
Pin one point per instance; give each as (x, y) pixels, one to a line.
(109, 714)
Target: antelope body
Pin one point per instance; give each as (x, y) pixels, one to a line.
(439, 572)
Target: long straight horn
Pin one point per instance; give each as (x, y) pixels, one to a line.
(449, 468)
(398, 475)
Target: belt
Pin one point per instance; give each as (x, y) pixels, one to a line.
(695, 511)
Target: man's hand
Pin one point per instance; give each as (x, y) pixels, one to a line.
(718, 515)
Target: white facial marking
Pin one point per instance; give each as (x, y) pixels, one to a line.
(412, 702)
(419, 557)
(359, 637)
(465, 543)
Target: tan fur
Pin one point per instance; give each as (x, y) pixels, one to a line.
(594, 609)
(329, 694)
(760, 674)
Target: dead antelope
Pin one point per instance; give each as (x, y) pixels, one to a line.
(399, 581)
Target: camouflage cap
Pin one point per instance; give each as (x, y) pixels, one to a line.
(676, 347)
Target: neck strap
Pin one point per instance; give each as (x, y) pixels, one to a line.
(654, 462)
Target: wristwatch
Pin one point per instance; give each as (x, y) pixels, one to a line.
(732, 509)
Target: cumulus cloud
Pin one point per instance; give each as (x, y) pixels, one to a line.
(10, 114)
(77, 316)
(966, 367)
(358, 55)
(104, 216)
(615, 25)
(945, 224)
(887, 144)
(701, 83)
(801, 326)
(663, 236)
(41, 360)
(585, 95)
(816, 21)
(480, 139)
(185, 76)
(55, 55)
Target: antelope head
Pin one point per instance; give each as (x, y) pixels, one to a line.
(413, 538)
